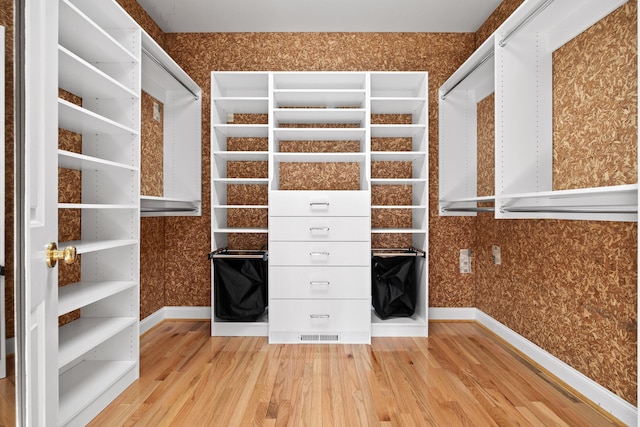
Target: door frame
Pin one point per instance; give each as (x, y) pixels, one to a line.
(19, 213)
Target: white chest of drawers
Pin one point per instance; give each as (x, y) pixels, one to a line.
(319, 266)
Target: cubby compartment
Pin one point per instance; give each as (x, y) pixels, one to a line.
(171, 150)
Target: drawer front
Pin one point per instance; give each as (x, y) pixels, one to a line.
(346, 229)
(319, 282)
(320, 253)
(306, 316)
(320, 203)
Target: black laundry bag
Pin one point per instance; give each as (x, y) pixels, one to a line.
(393, 286)
(240, 288)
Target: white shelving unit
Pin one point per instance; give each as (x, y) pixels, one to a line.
(522, 62)
(181, 97)
(458, 114)
(99, 61)
(405, 93)
(319, 240)
(235, 93)
(318, 108)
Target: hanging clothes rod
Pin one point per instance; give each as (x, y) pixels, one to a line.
(394, 252)
(569, 209)
(238, 254)
(168, 209)
(518, 27)
(479, 209)
(475, 67)
(168, 71)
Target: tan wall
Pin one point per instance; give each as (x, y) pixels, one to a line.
(568, 286)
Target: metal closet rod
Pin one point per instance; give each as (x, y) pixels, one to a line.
(475, 67)
(168, 209)
(238, 254)
(394, 252)
(524, 22)
(567, 209)
(168, 71)
(471, 209)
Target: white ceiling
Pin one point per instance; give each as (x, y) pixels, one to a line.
(229, 16)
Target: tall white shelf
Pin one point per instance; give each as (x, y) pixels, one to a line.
(516, 63)
(99, 61)
(405, 93)
(181, 97)
(323, 98)
(235, 93)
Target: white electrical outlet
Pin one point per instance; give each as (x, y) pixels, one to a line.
(497, 256)
(156, 111)
(465, 261)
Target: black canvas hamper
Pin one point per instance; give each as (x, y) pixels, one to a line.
(393, 286)
(240, 286)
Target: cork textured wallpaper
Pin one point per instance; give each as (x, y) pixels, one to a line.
(6, 20)
(568, 286)
(151, 147)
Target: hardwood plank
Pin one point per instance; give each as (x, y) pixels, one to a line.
(460, 375)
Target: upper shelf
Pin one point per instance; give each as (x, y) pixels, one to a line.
(84, 80)
(77, 119)
(95, 45)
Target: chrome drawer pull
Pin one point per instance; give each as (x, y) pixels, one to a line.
(314, 283)
(312, 204)
(319, 316)
(319, 253)
(312, 229)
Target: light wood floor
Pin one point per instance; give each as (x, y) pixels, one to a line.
(460, 376)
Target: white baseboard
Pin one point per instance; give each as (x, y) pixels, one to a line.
(453, 313)
(166, 312)
(607, 400)
(10, 346)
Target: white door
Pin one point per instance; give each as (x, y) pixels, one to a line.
(41, 218)
(3, 336)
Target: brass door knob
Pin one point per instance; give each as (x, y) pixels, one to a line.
(68, 254)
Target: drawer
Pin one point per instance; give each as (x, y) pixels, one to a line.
(320, 203)
(319, 229)
(307, 316)
(319, 282)
(320, 253)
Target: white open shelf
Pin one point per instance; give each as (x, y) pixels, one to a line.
(75, 161)
(319, 98)
(242, 105)
(84, 246)
(319, 115)
(398, 130)
(94, 45)
(94, 206)
(245, 131)
(80, 294)
(84, 80)
(83, 334)
(80, 120)
(83, 384)
(319, 134)
(243, 156)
